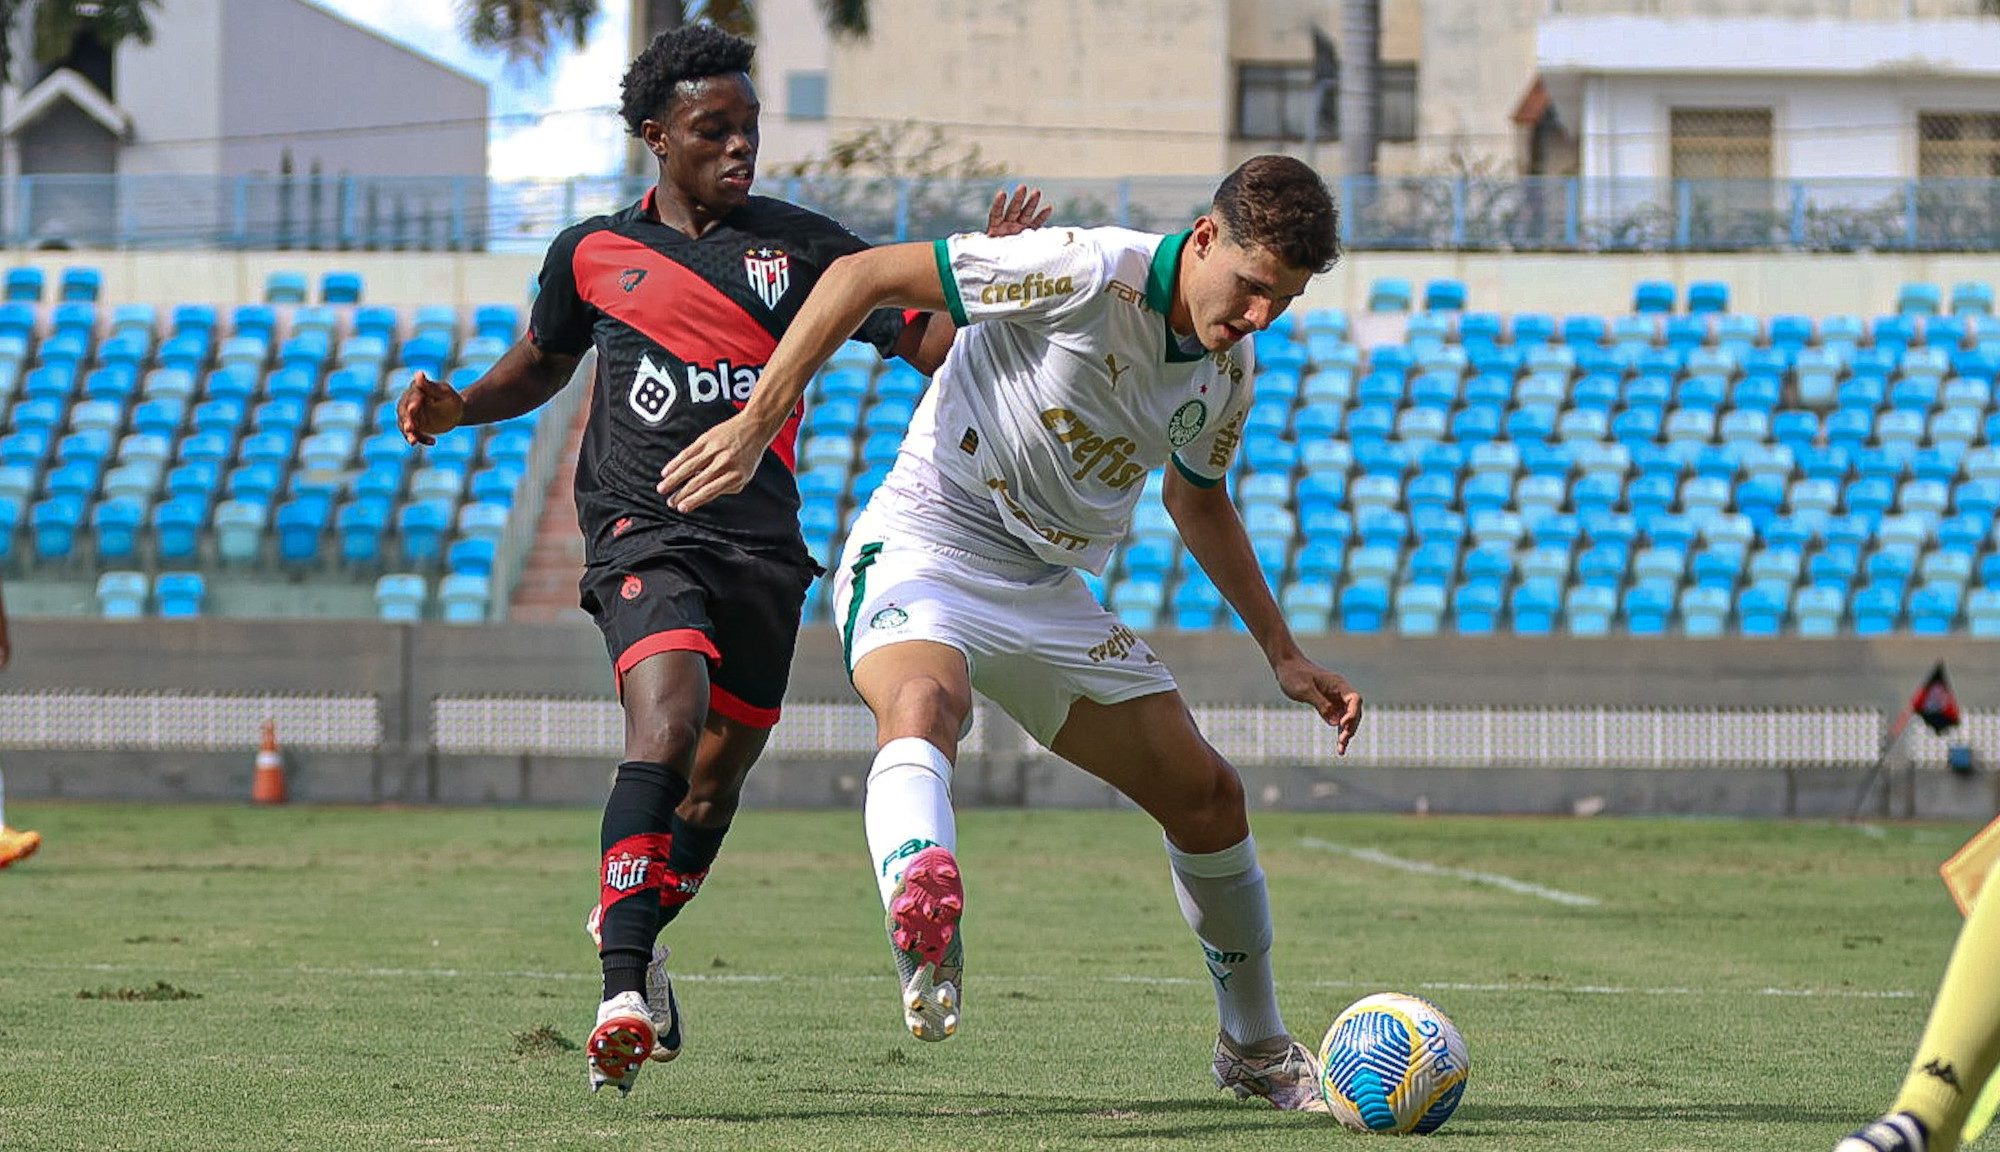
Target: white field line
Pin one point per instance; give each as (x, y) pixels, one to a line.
(582, 976)
(1424, 868)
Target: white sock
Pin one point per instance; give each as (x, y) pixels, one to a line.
(908, 807)
(3, 800)
(1223, 897)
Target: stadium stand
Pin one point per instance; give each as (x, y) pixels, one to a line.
(1654, 471)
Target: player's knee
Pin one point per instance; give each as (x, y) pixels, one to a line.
(1212, 815)
(1224, 796)
(929, 706)
(663, 737)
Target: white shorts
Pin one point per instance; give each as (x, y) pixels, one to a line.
(1033, 646)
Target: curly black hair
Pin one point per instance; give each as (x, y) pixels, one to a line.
(690, 52)
(1279, 204)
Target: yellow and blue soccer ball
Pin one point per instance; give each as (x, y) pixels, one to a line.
(1393, 1063)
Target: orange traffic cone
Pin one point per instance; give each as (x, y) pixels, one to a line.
(267, 786)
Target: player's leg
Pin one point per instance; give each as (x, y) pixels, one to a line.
(753, 602)
(666, 701)
(1959, 1050)
(921, 695)
(15, 844)
(906, 626)
(653, 616)
(1149, 748)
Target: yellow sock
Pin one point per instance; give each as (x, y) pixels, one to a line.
(1961, 1042)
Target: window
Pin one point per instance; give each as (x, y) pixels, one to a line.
(1721, 143)
(1280, 102)
(805, 95)
(1958, 145)
(1396, 114)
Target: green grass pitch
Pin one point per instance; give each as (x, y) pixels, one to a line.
(227, 978)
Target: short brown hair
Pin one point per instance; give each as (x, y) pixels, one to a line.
(1279, 204)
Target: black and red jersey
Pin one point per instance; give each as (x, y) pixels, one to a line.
(683, 328)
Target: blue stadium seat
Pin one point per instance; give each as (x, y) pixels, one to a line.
(24, 283)
(1138, 602)
(399, 597)
(1982, 612)
(1363, 607)
(470, 557)
(464, 597)
(1918, 299)
(1704, 296)
(1476, 606)
(1819, 610)
(1308, 606)
(1419, 609)
(55, 523)
(1534, 605)
(1444, 295)
(1589, 610)
(115, 524)
(1389, 294)
(1653, 296)
(1878, 609)
(122, 595)
(339, 287)
(1971, 297)
(421, 527)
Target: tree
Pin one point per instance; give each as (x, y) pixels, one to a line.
(62, 28)
(526, 29)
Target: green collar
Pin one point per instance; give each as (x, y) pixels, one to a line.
(1160, 293)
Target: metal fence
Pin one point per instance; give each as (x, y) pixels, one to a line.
(1421, 213)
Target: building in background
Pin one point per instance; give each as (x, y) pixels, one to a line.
(1112, 88)
(257, 108)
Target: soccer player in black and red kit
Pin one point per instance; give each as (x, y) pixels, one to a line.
(684, 295)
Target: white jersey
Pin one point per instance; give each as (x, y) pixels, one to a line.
(1066, 387)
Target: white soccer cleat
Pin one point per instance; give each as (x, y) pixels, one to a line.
(1896, 1132)
(923, 933)
(660, 1002)
(1286, 1073)
(621, 1041)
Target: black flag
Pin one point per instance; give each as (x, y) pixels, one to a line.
(1936, 703)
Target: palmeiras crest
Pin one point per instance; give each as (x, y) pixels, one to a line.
(770, 273)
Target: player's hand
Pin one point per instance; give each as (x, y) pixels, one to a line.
(720, 461)
(1023, 213)
(427, 409)
(1325, 691)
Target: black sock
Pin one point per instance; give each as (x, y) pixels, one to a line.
(694, 850)
(642, 802)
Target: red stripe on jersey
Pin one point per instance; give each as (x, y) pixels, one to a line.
(700, 324)
(673, 306)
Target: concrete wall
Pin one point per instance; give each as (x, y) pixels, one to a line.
(1053, 87)
(1852, 127)
(1762, 283)
(227, 86)
(172, 89)
(406, 668)
(354, 102)
(790, 38)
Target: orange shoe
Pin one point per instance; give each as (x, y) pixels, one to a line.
(17, 845)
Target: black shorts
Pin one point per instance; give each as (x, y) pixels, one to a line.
(741, 609)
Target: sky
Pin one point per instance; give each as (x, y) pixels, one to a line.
(546, 123)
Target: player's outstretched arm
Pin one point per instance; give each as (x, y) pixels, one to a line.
(928, 337)
(522, 380)
(722, 459)
(1214, 534)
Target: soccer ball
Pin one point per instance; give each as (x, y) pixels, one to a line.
(1393, 1063)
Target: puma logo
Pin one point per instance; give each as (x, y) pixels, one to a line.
(1116, 369)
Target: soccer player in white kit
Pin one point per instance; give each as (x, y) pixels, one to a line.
(1088, 358)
